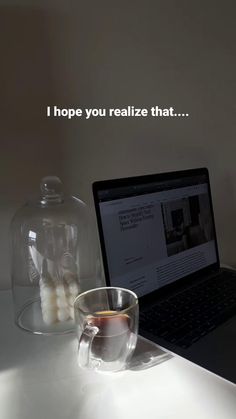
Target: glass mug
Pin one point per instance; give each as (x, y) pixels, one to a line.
(107, 327)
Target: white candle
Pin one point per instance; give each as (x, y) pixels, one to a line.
(63, 314)
(49, 315)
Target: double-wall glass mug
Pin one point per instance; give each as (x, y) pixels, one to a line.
(107, 327)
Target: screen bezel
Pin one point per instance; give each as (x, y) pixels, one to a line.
(98, 186)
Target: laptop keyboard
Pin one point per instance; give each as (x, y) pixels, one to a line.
(186, 317)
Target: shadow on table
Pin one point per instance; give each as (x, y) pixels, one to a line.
(147, 355)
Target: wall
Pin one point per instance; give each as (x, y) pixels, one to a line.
(109, 54)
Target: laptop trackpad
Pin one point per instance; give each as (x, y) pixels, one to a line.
(217, 350)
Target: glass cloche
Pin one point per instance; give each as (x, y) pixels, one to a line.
(55, 256)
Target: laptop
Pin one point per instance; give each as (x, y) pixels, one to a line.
(158, 238)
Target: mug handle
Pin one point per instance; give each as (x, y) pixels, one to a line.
(85, 343)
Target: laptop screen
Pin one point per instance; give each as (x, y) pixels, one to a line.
(156, 232)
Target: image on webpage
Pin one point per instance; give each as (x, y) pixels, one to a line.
(187, 223)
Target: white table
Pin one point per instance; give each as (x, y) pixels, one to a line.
(40, 379)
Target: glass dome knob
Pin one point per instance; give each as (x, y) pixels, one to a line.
(51, 188)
